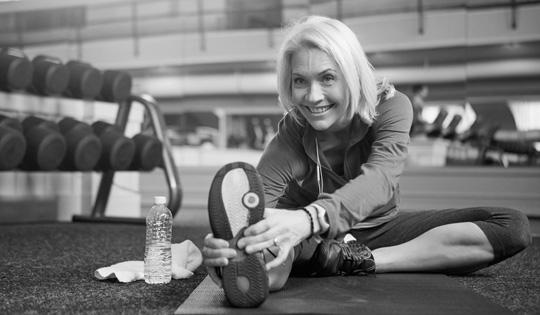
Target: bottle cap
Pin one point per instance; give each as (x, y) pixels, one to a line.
(160, 200)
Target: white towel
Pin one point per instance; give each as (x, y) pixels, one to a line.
(186, 257)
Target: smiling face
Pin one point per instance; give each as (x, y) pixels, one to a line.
(319, 90)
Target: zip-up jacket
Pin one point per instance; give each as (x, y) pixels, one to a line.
(367, 194)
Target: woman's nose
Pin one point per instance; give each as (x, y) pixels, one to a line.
(314, 93)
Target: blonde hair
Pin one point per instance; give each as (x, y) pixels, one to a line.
(337, 40)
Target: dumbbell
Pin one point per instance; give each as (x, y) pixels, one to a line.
(83, 146)
(148, 153)
(12, 143)
(116, 86)
(51, 77)
(15, 70)
(46, 147)
(117, 150)
(85, 81)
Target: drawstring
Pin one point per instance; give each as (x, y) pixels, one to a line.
(319, 169)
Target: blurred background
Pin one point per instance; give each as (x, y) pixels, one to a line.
(471, 67)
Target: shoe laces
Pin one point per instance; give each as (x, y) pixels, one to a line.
(356, 259)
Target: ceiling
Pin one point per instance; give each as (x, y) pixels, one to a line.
(41, 23)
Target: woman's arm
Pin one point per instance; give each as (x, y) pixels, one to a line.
(283, 160)
(379, 176)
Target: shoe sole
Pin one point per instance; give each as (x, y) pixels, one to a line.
(236, 201)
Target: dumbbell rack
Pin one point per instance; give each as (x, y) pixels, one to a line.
(171, 172)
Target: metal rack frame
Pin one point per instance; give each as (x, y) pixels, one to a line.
(171, 172)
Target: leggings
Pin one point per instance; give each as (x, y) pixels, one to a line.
(507, 230)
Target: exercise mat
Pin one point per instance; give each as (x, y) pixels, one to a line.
(384, 294)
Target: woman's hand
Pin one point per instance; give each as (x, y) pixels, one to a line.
(216, 254)
(282, 228)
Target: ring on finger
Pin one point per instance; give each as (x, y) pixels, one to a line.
(276, 241)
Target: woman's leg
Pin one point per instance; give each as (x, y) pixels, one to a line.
(277, 277)
(450, 241)
(447, 247)
(296, 264)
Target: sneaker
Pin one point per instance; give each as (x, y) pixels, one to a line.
(342, 257)
(236, 201)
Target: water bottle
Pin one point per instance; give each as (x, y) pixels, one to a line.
(157, 254)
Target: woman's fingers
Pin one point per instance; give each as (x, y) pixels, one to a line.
(275, 236)
(216, 252)
(279, 227)
(258, 243)
(263, 232)
(212, 242)
(209, 253)
(262, 225)
(258, 228)
(216, 262)
(279, 261)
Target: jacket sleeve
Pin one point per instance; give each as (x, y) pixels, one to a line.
(283, 160)
(378, 179)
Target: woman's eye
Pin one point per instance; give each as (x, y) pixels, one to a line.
(298, 81)
(328, 78)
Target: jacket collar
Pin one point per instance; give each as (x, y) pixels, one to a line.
(358, 132)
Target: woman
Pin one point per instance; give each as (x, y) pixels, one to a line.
(331, 184)
(419, 94)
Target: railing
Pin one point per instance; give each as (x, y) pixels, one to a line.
(23, 24)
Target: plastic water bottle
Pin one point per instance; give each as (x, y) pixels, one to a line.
(157, 254)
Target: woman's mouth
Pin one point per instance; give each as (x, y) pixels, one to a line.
(319, 109)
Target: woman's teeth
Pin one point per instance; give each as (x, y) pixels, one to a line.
(319, 110)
